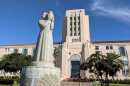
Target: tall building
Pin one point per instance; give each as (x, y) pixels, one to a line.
(76, 46)
(76, 41)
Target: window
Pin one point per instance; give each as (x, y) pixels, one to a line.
(122, 51)
(96, 47)
(6, 49)
(111, 47)
(74, 31)
(71, 23)
(78, 33)
(79, 27)
(71, 31)
(15, 50)
(75, 23)
(70, 18)
(107, 47)
(34, 51)
(75, 18)
(79, 23)
(25, 51)
(70, 27)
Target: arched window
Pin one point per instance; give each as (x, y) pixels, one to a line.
(123, 53)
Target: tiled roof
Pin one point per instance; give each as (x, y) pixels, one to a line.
(26, 44)
(110, 41)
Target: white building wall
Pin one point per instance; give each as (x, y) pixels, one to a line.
(128, 52)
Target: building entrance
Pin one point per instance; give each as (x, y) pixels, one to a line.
(75, 69)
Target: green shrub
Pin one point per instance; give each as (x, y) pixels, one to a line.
(125, 81)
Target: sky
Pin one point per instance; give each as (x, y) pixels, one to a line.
(109, 19)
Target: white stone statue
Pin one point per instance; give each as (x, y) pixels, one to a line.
(43, 71)
(45, 49)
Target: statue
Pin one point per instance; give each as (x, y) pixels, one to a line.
(44, 47)
(43, 71)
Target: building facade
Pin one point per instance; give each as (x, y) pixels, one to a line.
(77, 46)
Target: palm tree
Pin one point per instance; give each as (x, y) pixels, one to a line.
(94, 64)
(113, 64)
(100, 65)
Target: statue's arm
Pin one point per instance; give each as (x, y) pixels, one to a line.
(43, 23)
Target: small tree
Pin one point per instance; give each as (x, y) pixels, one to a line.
(57, 55)
(14, 62)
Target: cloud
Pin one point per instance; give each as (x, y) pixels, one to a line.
(112, 8)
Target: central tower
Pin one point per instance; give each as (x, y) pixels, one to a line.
(76, 26)
(76, 42)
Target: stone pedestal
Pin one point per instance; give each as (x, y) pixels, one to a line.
(40, 75)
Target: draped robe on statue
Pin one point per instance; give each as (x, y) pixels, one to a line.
(44, 47)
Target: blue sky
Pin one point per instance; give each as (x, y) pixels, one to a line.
(109, 19)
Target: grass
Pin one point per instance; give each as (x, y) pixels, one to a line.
(14, 84)
(114, 84)
(120, 85)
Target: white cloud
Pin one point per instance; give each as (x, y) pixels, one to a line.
(112, 8)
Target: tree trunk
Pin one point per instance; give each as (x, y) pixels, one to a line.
(106, 80)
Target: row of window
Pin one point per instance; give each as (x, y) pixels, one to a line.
(24, 51)
(76, 33)
(74, 23)
(107, 47)
(122, 50)
(75, 18)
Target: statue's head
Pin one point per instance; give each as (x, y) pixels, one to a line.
(51, 15)
(45, 15)
(48, 15)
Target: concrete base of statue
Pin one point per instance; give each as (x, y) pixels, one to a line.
(40, 75)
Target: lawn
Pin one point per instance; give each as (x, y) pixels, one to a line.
(115, 85)
(119, 84)
(9, 85)
(14, 84)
